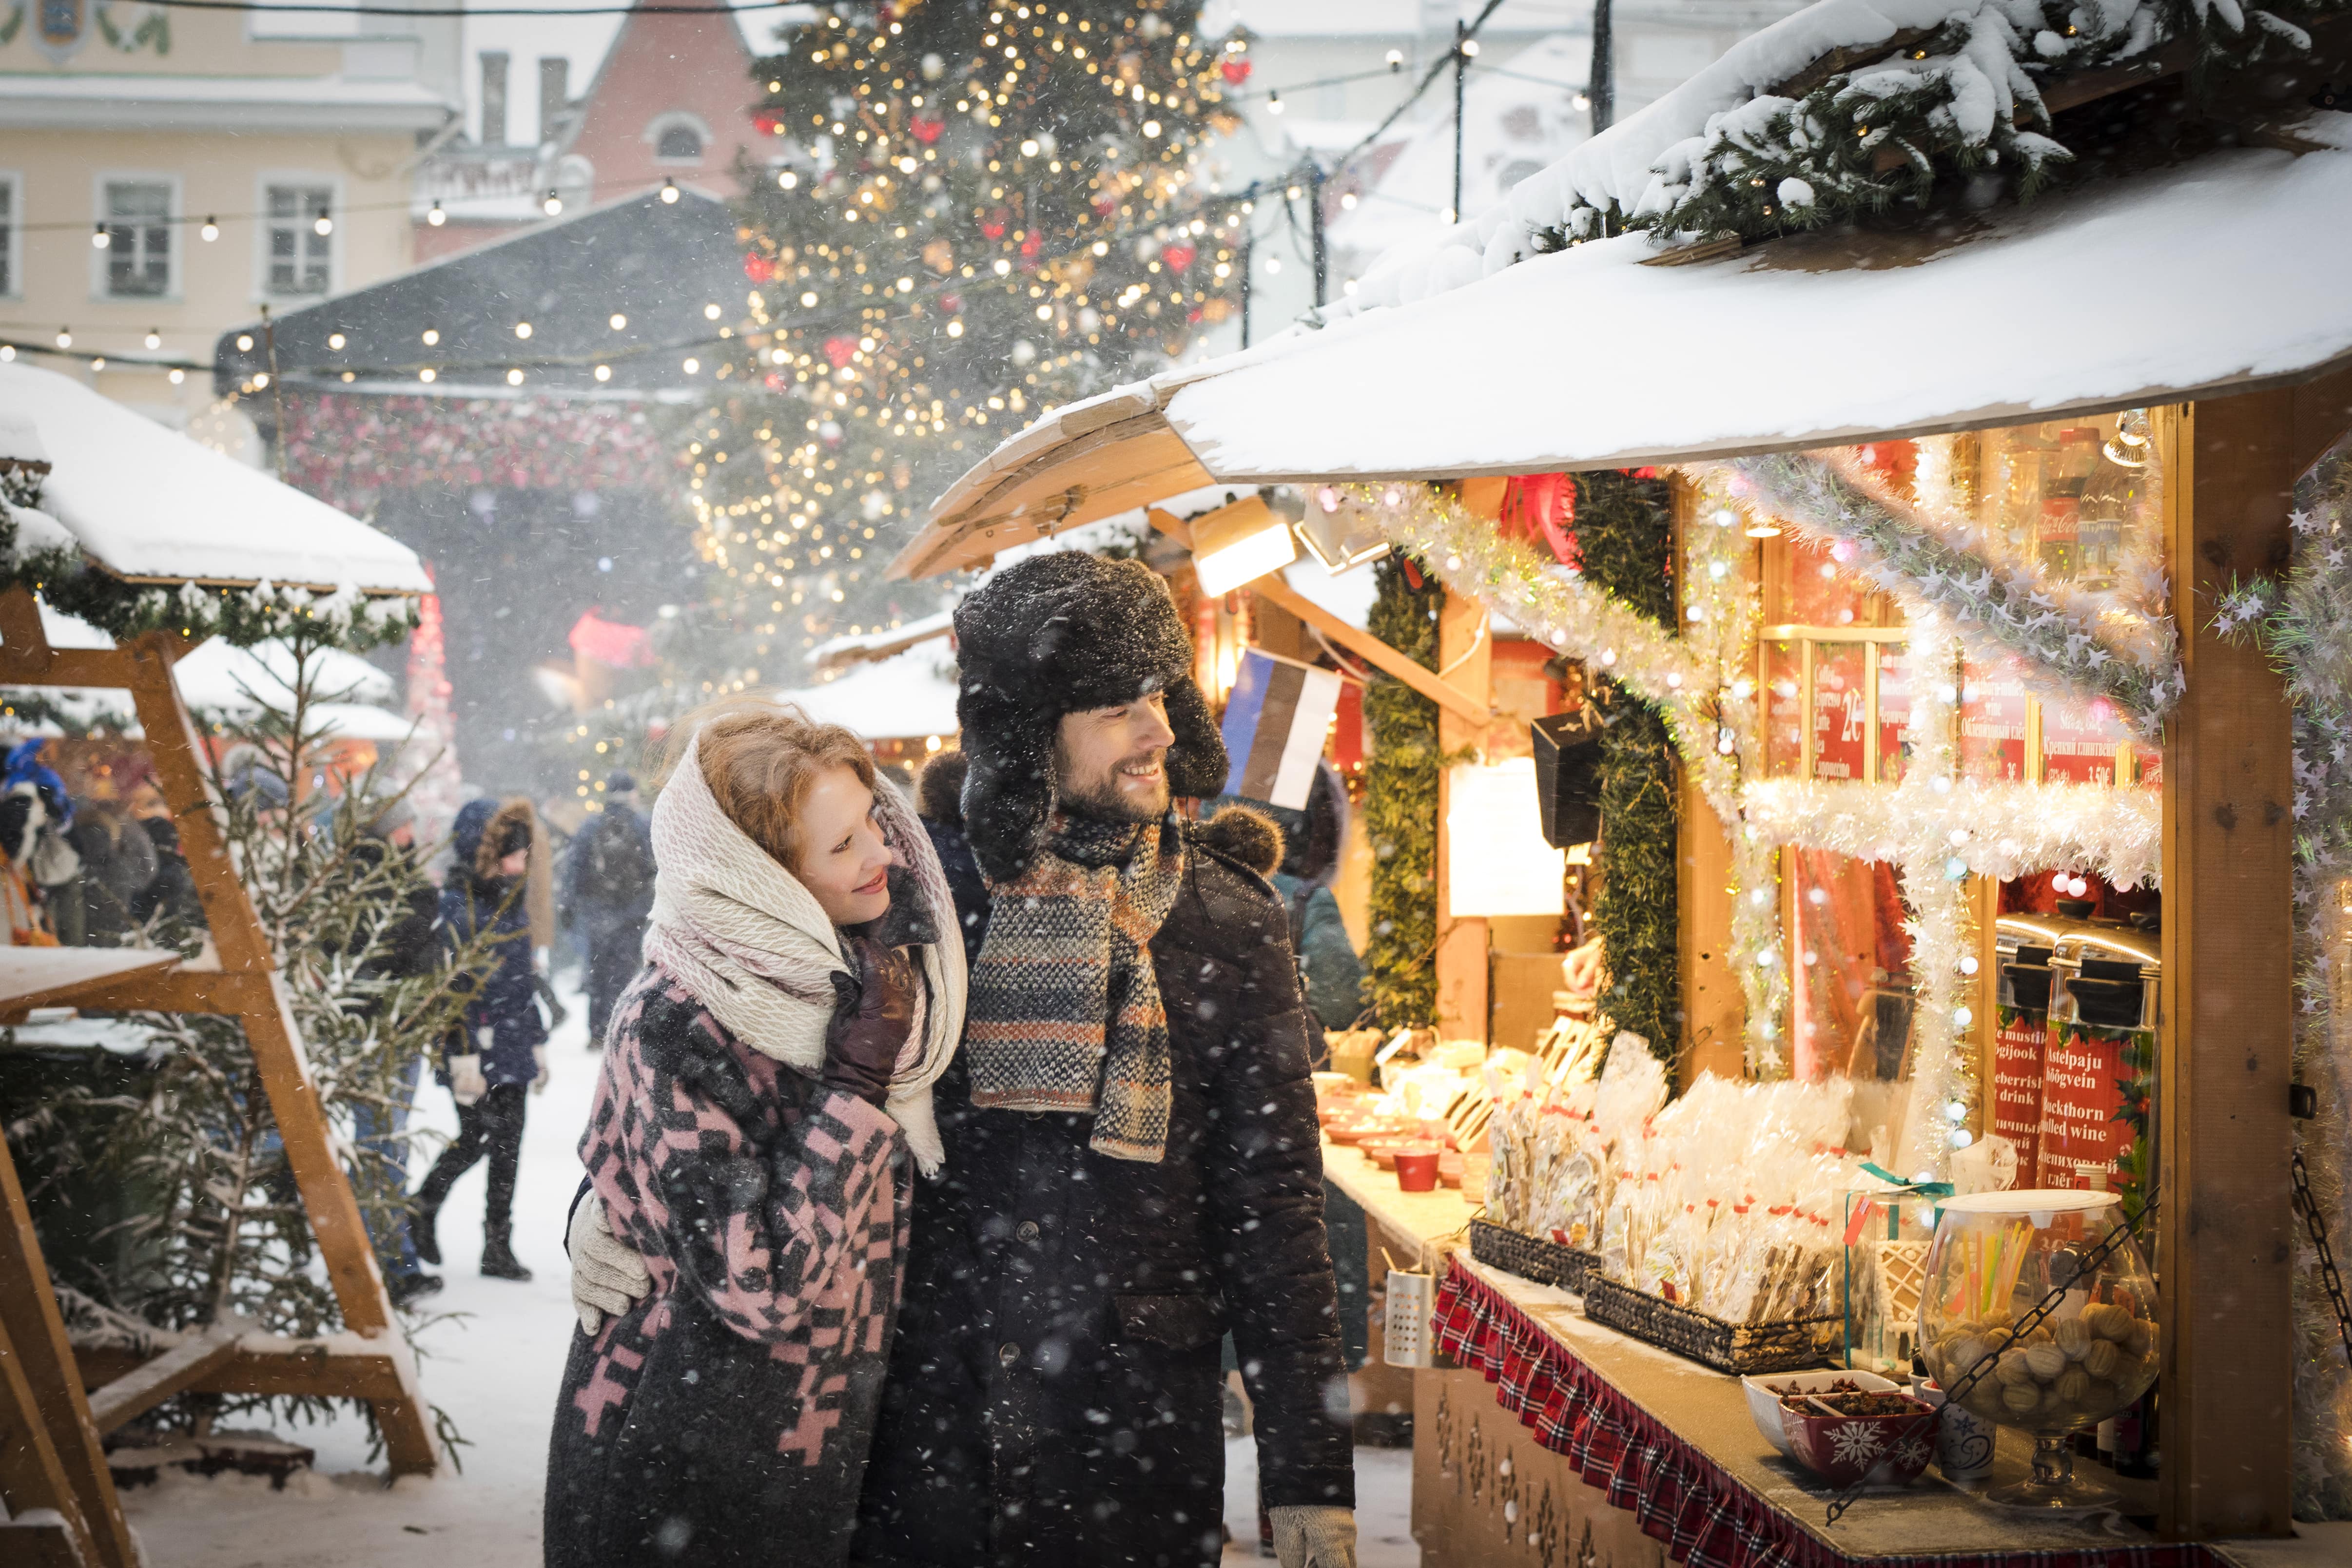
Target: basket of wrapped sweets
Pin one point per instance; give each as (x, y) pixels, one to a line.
(1529, 1256)
(1706, 1227)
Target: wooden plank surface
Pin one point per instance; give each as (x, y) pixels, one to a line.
(1410, 1225)
(51, 1450)
(1465, 650)
(2227, 1039)
(63, 976)
(267, 1364)
(181, 1368)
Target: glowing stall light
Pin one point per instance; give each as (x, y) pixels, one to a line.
(1235, 546)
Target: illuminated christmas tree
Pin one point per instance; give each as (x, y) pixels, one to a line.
(970, 214)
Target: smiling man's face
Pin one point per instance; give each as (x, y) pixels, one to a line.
(1112, 762)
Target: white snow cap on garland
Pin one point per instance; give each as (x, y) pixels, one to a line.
(1644, 164)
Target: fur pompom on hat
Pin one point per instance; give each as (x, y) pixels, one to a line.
(1056, 635)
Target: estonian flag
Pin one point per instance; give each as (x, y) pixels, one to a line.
(1275, 721)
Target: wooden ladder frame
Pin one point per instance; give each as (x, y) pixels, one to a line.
(43, 1407)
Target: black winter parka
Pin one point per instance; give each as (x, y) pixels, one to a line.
(1053, 1399)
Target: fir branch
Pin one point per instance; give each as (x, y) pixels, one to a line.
(1401, 803)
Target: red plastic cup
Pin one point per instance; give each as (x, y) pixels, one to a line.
(1416, 1168)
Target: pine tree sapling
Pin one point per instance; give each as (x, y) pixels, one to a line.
(966, 213)
(1401, 802)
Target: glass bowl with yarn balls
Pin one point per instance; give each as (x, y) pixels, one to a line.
(1997, 1257)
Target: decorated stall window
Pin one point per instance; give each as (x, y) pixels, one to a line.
(2079, 498)
(1851, 997)
(1994, 723)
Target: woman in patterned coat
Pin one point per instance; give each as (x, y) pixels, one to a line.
(766, 1086)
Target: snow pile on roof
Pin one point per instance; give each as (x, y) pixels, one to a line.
(1645, 166)
(148, 504)
(898, 698)
(865, 647)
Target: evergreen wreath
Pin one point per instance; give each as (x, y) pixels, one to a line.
(1624, 532)
(1401, 801)
(1962, 97)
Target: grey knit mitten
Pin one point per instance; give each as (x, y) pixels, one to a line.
(1307, 1536)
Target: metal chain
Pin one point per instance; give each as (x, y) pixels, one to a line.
(1966, 1380)
(2316, 1223)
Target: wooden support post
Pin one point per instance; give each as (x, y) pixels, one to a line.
(1466, 660)
(2225, 1239)
(276, 1040)
(50, 1452)
(1714, 1009)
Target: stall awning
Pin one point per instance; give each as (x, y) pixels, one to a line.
(2221, 275)
(148, 505)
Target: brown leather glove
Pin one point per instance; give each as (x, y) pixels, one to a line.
(869, 1026)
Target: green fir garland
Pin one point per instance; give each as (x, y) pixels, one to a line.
(1401, 802)
(1624, 531)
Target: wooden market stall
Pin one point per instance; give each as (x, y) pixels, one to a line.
(1903, 639)
(133, 525)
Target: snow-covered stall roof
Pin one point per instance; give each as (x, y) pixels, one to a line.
(148, 505)
(898, 699)
(2217, 275)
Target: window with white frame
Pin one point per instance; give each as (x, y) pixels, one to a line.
(10, 202)
(138, 239)
(300, 257)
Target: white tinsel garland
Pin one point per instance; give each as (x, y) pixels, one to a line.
(2074, 645)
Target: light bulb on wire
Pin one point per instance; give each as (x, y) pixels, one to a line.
(211, 231)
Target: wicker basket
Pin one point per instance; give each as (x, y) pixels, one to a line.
(1529, 1256)
(1742, 1348)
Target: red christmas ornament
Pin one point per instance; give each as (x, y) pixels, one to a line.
(993, 228)
(838, 350)
(1177, 257)
(775, 382)
(759, 269)
(768, 124)
(952, 303)
(1235, 70)
(1031, 245)
(926, 131)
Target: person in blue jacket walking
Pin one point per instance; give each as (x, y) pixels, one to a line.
(499, 1053)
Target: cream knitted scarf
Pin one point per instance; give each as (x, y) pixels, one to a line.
(754, 946)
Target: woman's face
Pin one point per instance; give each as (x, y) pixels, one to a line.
(844, 860)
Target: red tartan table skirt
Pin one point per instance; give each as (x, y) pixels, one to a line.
(1704, 1516)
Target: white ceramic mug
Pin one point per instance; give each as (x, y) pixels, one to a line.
(1964, 1440)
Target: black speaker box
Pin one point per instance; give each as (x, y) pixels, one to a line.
(1568, 775)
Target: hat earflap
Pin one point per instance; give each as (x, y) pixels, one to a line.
(1008, 793)
(1197, 764)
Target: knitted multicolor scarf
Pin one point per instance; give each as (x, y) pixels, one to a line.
(1065, 1011)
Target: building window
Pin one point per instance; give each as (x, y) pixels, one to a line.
(9, 203)
(681, 143)
(494, 97)
(138, 239)
(300, 254)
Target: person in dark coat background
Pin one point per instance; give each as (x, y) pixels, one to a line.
(608, 892)
(499, 1054)
(410, 948)
(1053, 1392)
(118, 861)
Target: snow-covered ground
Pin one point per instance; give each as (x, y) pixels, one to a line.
(493, 1361)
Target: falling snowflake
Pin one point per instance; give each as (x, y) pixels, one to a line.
(1856, 1442)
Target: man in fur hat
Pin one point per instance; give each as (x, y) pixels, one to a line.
(1132, 1161)
(1133, 1166)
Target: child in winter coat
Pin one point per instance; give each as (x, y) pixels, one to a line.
(765, 1078)
(501, 1050)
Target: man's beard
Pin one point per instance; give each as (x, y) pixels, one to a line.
(1102, 798)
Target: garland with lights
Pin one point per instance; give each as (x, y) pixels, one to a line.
(2073, 643)
(2302, 623)
(968, 214)
(1401, 778)
(1962, 97)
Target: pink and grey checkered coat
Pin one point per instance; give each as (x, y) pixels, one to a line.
(725, 1419)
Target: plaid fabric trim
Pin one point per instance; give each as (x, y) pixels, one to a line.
(1704, 1517)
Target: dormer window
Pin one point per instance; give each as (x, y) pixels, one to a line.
(677, 136)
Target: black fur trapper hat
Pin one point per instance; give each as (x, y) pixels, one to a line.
(1061, 633)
